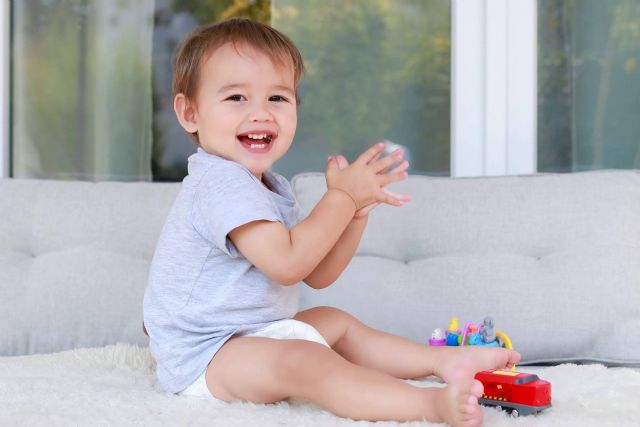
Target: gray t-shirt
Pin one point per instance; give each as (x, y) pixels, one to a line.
(201, 289)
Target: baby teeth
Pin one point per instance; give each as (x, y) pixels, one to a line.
(258, 145)
(257, 135)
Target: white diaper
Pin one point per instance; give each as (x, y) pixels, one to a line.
(286, 329)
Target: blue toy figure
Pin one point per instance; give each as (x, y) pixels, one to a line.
(453, 332)
(486, 330)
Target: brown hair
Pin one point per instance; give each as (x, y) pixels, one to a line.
(205, 39)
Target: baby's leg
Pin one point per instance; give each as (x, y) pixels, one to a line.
(397, 356)
(264, 370)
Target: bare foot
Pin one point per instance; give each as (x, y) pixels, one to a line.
(463, 362)
(457, 404)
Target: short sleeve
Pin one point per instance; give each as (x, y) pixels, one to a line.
(227, 197)
(298, 213)
(295, 213)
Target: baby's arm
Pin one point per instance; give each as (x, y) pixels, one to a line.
(289, 256)
(332, 266)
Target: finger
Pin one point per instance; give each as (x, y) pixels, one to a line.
(331, 164)
(400, 167)
(385, 197)
(403, 166)
(377, 156)
(366, 157)
(385, 163)
(404, 198)
(342, 161)
(388, 178)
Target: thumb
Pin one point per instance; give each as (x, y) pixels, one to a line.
(332, 164)
(342, 161)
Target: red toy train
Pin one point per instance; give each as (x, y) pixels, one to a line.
(517, 392)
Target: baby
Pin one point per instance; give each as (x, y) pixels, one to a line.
(221, 306)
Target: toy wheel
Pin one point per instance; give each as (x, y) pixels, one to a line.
(515, 413)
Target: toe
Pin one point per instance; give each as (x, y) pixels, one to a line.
(507, 358)
(472, 419)
(472, 400)
(473, 422)
(468, 409)
(476, 389)
(514, 357)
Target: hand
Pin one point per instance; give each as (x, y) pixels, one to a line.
(364, 211)
(399, 170)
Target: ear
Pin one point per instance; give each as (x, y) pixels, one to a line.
(186, 113)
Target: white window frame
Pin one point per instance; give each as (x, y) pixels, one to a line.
(493, 87)
(4, 87)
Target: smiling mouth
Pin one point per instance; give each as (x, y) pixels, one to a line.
(256, 142)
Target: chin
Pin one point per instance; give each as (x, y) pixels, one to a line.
(258, 169)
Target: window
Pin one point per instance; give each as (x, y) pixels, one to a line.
(91, 83)
(81, 89)
(588, 85)
(376, 70)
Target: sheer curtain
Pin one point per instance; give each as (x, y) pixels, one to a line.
(81, 89)
(588, 85)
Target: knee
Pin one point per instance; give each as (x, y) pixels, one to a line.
(347, 321)
(335, 313)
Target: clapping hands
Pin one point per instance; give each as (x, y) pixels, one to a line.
(366, 178)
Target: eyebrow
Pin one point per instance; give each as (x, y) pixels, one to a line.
(233, 86)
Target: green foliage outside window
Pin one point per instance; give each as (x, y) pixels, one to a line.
(376, 69)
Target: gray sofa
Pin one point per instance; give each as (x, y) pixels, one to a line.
(555, 259)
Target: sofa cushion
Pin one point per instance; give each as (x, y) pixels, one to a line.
(74, 258)
(554, 258)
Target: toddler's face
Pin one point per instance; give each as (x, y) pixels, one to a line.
(246, 107)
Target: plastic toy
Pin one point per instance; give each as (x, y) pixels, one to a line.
(517, 392)
(482, 334)
(437, 338)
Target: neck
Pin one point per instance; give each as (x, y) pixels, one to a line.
(262, 179)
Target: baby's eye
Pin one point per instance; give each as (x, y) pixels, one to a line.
(278, 98)
(236, 98)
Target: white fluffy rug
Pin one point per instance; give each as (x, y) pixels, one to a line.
(115, 385)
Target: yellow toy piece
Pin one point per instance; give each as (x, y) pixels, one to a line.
(507, 343)
(453, 326)
(505, 339)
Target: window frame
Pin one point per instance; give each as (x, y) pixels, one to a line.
(493, 111)
(5, 55)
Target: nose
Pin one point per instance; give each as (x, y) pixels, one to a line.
(260, 113)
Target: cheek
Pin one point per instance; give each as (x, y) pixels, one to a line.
(292, 121)
(222, 118)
